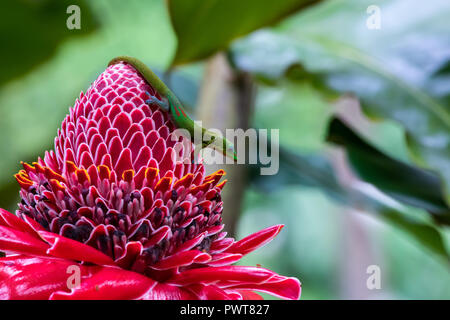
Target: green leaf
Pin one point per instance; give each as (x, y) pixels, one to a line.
(404, 182)
(205, 27)
(397, 72)
(9, 195)
(316, 171)
(32, 30)
(305, 129)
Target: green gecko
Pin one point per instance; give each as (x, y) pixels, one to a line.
(176, 110)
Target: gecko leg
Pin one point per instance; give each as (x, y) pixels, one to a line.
(160, 103)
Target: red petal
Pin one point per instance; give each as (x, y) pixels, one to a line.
(220, 245)
(189, 244)
(209, 292)
(103, 125)
(279, 286)
(224, 259)
(134, 128)
(124, 162)
(159, 149)
(163, 184)
(136, 143)
(228, 273)
(147, 125)
(167, 292)
(122, 123)
(168, 161)
(17, 241)
(249, 295)
(143, 157)
(8, 219)
(132, 251)
(180, 259)
(254, 241)
(115, 149)
(137, 115)
(34, 225)
(109, 284)
(24, 277)
(66, 248)
(157, 236)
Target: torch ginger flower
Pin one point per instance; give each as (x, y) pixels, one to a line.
(114, 200)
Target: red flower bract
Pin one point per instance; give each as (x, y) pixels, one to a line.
(117, 200)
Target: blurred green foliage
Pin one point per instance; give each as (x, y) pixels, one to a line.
(390, 70)
(400, 74)
(33, 30)
(32, 108)
(406, 183)
(205, 27)
(386, 73)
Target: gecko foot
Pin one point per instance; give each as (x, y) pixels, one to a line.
(160, 103)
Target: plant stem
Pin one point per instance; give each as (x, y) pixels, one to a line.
(225, 102)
